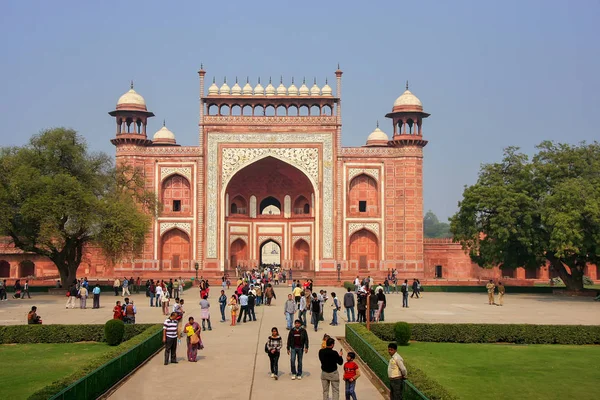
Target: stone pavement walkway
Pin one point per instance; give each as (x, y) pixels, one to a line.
(233, 364)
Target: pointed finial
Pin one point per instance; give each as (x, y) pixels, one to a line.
(338, 65)
(406, 85)
(131, 84)
(164, 123)
(236, 79)
(225, 80)
(315, 81)
(247, 79)
(292, 80)
(259, 80)
(201, 65)
(281, 79)
(326, 81)
(269, 80)
(303, 80)
(213, 79)
(377, 123)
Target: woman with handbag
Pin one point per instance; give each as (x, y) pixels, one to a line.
(194, 341)
(273, 349)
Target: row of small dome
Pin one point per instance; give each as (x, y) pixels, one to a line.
(270, 90)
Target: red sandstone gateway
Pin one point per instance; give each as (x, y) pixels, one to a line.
(269, 183)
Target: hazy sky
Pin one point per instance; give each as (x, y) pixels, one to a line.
(491, 73)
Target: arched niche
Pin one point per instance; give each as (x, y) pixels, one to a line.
(270, 206)
(238, 253)
(26, 268)
(301, 255)
(363, 196)
(301, 206)
(175, 249)
(363, 248)
(176, 195)
(4, 269)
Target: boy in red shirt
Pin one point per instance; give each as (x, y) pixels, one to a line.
(351, 374)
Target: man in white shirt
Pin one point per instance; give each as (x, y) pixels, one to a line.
(396, 372)
(243, 307)
(356, 284)
(159, 293)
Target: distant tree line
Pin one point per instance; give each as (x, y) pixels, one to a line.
(433, 228)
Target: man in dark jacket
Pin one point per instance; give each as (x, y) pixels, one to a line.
(297, 343)
(349, 304)
(361, 298)
(330, 359)
(373, 300)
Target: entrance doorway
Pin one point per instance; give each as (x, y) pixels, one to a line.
(438, 271)
(270, 253)
(301, 259)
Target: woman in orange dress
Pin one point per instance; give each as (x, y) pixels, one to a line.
(233, 305)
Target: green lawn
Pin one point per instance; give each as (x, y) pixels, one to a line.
(26, 368)
(502, 371)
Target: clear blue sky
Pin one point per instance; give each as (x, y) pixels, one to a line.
(491, 73)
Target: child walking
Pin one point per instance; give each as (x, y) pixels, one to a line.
(351, 374)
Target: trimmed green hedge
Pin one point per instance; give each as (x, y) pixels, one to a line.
(22, 334)
(150, 337)
(493, 333)
(375, 355)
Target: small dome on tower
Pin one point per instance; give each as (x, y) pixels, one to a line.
(236, 89)
(131, 100)
(315, 90)
(258, 89)
(213, 89)
(224, 88)
(293, 90)
(407, 102)
(164, 136)
(270, 89)
(281, 89)
(304, 89)
(247, 91)
(377, 137)
(326, 90)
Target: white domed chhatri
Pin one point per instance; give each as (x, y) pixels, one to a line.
(213, 89)
(408, 101)
(224, 88)
(377, 137)
(293, 90)
(164, 136)
(315, 90)
(258, 89)
(304, 89)
(131, 100)
(247, 91)
(236, 89)
(270, 89)
(326, 90)
(281, 89)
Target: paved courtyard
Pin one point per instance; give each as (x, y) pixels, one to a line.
(234, 365)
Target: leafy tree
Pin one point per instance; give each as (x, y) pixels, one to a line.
(433, 228)
(56, 198)
(529, 213)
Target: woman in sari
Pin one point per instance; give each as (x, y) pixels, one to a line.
(233, 305)
(192, 329)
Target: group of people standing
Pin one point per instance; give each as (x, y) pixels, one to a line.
(297, 345)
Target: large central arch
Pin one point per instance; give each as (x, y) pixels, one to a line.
(271, 187)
